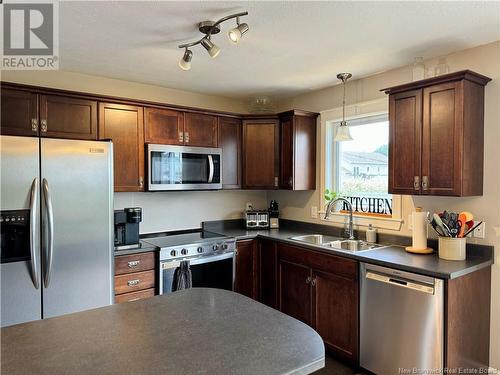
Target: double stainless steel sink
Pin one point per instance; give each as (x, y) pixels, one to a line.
(337, 243)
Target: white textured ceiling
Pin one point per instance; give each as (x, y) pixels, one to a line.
(292, 47)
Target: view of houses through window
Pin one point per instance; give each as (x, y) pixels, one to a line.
(358, 169)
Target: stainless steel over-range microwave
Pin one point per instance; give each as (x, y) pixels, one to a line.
(183, 168)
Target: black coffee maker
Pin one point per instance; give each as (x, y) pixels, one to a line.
(127, 228)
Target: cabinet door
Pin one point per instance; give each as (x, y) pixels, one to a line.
(286, 153)
(260, 155)
(65, 117)
(123, 124)
(230, 142)
(405, 139)
(245, 273)
(200, 130)
(19, 112)
(295, 290)
(163, 126)
(442, 139)
(268, 273)
(335, 312)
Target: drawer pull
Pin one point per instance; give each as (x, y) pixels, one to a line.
(133, 282)
(133, 263)
(134, 299)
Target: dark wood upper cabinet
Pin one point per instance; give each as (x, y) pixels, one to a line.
(246, 268)
(298, 150)
(123, 124)
(163, 126)
(405, 134)
(268, 266)
(200, 130)
(436, 135)
(68, 117)
(19, 112)
(230, 143)
(260, 154)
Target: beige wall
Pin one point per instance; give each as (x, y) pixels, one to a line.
(483, 59)
(114, 87)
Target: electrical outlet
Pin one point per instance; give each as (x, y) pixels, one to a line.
(314, 212)
(480, 231)
(248, 206)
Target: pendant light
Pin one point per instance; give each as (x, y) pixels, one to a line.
(343, 133)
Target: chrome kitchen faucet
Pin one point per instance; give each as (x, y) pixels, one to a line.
(330, 207)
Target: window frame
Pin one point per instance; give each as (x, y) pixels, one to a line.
(378, 107)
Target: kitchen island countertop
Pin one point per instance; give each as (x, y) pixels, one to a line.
(194, 331)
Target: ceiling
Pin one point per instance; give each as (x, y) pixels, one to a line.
(292, 47)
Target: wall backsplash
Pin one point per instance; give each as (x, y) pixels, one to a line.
(167, 211)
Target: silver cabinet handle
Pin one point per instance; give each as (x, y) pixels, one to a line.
(181, 137)
(290, 181)
(425, 183)
(133, 263)
(133, 282)
(33, 206)
(186, 137)
(210, 168)
(308, 280)
(416, 182)
(141, 181)
(50, 232)
(313, 282)
(43, 126)
(276, 181)
(34, 124)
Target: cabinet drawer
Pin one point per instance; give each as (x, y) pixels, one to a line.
(134, 263)
(319, 261)
(134, 281)
(134, 296)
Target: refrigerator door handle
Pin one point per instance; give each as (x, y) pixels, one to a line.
(50, 232)
(33, 214)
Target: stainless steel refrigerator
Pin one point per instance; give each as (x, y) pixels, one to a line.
(56, 202)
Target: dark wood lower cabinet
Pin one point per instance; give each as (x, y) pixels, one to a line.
(335, 313)
(268, 267)
(295, 291)
(246, 268)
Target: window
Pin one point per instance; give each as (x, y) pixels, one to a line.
(358, 169)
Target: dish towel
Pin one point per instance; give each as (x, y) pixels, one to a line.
(182, 276)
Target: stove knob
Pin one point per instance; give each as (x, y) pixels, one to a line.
(215, 247)
(224, 246)
(184, 251)
(173, 253)
(200, 250)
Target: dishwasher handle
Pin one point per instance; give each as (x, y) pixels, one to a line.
(401, 282)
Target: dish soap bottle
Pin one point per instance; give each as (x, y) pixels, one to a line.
(371, 234)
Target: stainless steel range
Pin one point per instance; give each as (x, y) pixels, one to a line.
(211, 259)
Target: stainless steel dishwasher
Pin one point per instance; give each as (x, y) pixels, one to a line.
(401, 321)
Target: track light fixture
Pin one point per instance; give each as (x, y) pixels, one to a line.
(210, 28)
(236, 33)
(185, 61)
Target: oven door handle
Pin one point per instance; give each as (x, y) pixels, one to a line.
(212, 258)
(210, 168)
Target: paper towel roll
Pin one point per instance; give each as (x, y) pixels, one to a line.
(419, 235)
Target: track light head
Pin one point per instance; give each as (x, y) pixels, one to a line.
(236, 33)
(185, 61)
(211, 48)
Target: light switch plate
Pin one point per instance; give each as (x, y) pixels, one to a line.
(314, 212)
(248, 206)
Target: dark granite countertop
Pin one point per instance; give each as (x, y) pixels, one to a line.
(392, 256)
(195, 331)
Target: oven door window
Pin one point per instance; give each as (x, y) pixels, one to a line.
(166, 167)
(218, 274)
(195, 168)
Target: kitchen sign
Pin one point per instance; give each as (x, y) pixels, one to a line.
(370, 205)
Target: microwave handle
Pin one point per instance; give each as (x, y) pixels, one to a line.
(210, 168)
